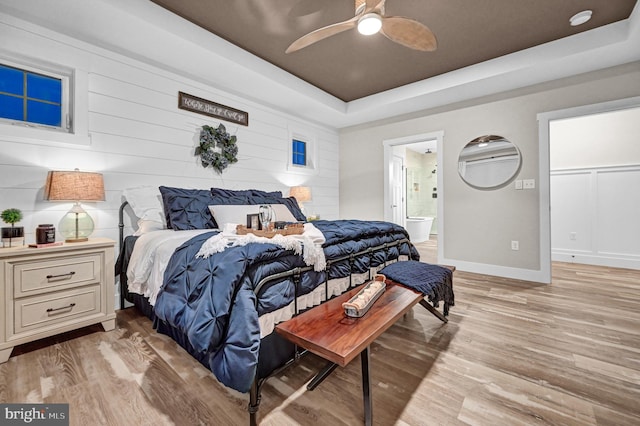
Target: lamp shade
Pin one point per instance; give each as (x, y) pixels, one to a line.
(74, 186)
(76, 225)
(301, 193)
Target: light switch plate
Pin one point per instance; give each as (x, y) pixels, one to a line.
(529, 183)
(519, 184)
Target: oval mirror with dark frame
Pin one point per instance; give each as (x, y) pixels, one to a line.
(489, 162)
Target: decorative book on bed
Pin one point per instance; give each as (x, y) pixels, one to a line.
(219, 294)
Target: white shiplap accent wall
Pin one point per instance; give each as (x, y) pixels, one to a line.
(594, 220)
(138, 136)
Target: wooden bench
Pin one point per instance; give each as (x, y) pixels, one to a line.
(327, 332)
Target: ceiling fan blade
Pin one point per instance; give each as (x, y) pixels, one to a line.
(374, 4)
(409, 33)
(322, 33)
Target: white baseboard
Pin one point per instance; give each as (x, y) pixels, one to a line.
(537, 276)
(597, 259)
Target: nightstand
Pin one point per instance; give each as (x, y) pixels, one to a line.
(52, 290)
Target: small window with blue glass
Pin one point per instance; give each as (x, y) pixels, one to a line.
(30, 97)
(299, 153)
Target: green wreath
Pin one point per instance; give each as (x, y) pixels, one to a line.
(217, 148)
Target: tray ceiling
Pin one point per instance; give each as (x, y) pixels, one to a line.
(351, 66)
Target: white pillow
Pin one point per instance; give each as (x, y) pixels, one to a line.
(146, 203)
(237, 214)
(145, 226)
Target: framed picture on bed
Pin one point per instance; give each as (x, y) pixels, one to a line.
(253, 221)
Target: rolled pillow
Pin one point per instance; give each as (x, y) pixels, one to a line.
(255, 196)
(237, 214)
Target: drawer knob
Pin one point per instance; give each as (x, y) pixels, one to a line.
(66, 276)
(71, 305)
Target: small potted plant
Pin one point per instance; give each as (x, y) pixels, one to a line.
(13, 236)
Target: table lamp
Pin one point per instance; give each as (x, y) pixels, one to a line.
(302, 194)
(76, 186)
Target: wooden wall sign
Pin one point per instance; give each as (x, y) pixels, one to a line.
(212, 109)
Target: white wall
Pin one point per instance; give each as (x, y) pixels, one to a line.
(135, 135)
(478, 226)
(594, 218)
(595, 169)
(595, 140)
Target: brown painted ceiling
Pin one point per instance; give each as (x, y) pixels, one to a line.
(351, 66)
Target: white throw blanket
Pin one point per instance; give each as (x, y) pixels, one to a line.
(309, 244)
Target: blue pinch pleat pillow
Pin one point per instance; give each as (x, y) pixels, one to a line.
(243, 193)
(256, 196)
(186, 209)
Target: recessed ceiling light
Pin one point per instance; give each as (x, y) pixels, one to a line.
(580, 18)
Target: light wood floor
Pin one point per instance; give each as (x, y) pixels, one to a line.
(513, 353)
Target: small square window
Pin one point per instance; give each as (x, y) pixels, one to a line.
(30, 96)
(302, 152)
(299, 153)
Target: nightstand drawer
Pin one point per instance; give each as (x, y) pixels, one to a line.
(55, 273)
(41, 311)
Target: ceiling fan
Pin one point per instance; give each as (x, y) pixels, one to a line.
(370, 19)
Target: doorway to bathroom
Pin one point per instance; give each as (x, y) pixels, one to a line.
(413, 194)
(421, 189)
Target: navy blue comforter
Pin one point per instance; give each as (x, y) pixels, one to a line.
(212, 301)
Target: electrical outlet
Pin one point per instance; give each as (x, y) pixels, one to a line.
(515, 245)
(529, 183)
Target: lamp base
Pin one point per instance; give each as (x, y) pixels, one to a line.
(76, 240)
(76, 226)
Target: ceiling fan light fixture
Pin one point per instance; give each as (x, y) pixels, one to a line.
(580, 18)
(369, 24)
(370, 19)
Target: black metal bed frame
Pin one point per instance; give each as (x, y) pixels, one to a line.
(296, 274)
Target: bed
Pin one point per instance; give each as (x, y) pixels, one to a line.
(220, 295)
